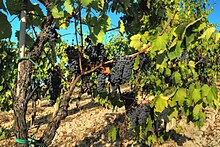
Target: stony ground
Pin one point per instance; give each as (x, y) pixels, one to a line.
(89, 127)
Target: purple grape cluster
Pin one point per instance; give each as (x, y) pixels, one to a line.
(138, 115)
(96, 53)
(51, 34)
(54, 84)
(73, 63)
(101, 82)
(121, 71)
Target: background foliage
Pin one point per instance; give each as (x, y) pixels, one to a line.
(177, 60)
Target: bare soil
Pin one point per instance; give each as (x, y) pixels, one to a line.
(88, 126)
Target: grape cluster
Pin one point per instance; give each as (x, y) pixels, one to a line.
(101, 82)
(138, 115)
(121, 71)
(96, 53)
(73, 63)
(51, 34)
(54, 82)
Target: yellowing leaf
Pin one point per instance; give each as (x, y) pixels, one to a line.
(191, 64)
(207, 34)
(160, 104)
(217, 37)
(69, 6)
(136, 41)
(121, 27)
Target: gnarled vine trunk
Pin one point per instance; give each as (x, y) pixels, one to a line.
(22, 93)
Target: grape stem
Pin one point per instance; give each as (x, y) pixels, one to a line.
(170, 19)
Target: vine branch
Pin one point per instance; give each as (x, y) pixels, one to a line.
(170, 19)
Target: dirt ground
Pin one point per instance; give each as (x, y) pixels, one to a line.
(89, 127)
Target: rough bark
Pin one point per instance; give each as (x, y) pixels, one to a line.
(21, 97)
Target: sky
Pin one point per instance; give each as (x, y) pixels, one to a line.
(214, 18)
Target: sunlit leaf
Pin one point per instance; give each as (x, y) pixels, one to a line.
(207, 34)
(160, 104)
(196, 110)
(56, 13)
(69, 6)
(196, 95)
(86, 2)
(136, 41)
(205, 90)
(121, 27)
(159, 44)
(180, 96)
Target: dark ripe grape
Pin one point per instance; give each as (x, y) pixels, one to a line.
(54, 83)
(51, 34)
(96, 53)
(101, 82)
(138, 115)
(127, 71)
(121, 71)
(73, 67)
(143, 60)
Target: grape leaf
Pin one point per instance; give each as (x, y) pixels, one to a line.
(56, 13)
(205, 90)
(196, 95)
(112, 133)
(5, 27)
(86, 2)
(177, 77)
(160, 104)
(207, 34)
(136, 63)
(217, 37)
(180, 96)
(196, 111)
(68, 6)
(136, 41)
(121, 27)
(159, 44)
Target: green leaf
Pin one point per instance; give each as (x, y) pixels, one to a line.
(205, 90)
(136, 41)
(160, 104)
(136, 63)
(159, 44)
(217, 37)
(121, 27)
(196, 95)
(56, 13)
(5, 27)
(173, 114)
(86, 2)
(207, 34)
(180, 96)
(196, 111)
(1, 87)
(112, 133)
(177, 77)
(191, 64)
(68, 6)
